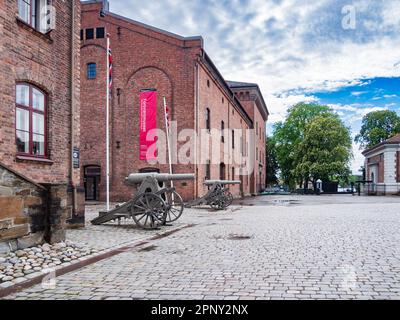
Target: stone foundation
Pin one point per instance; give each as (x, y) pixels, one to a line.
(30, 213)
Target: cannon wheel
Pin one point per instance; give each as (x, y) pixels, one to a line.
(228, 198)
(217, 201)
(174, 204)
(148, 211)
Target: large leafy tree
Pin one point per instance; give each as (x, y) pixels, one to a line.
(378, 126)
(289, 134)
(325, 151)
(271, 162)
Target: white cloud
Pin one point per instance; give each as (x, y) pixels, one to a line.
(290, 48)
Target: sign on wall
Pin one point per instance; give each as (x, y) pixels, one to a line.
(76, 158)
(148, 122)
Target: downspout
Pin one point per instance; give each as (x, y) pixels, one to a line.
(196, 116)
(72, 129)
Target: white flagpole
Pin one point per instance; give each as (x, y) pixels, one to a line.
(168, 141)
(108, 127)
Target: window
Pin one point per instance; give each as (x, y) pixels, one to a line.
(91, 71)
(81, 34)
(208, 83)
(233, 173)
(100, 33)
(89, 34)
(30, 122)
(222, 131)
(222, 171)
(256, 153)
(208, 170)
(208, 119)
(33, 12)
(233, 139)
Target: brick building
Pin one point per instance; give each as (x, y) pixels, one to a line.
(197, 95)
(39, 120)
(382, 166)
(253, 102)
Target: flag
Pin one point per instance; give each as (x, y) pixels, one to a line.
(167, 115)
(110, 63)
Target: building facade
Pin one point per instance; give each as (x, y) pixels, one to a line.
(198, 98)
(382, 167)
(252, 100)
(39, 120)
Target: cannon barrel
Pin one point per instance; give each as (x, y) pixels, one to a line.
(161, 177)
(221, 182)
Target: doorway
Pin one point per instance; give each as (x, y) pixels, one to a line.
(91, 182)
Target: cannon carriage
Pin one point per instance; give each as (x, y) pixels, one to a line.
(153, 204)
(218, 196)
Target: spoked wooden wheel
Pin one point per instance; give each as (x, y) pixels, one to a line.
(148, 211)
(174, 205)
(217, 201)
(228, 198)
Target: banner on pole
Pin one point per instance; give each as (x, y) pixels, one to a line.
(148, 122)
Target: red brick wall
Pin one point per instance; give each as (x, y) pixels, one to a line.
(248, 99)
(142, 58)
(222, 109)
(28, 56)
(145, 58)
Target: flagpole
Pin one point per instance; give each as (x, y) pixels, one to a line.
(108, 127)
(168, 141)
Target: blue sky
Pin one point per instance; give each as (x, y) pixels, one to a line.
(296, 50)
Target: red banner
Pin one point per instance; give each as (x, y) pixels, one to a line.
(148, 121)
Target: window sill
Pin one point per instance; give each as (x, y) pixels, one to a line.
(24, 25)
(33, 159)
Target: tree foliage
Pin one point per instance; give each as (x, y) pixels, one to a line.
(378, 126)
(289, 134)
(325, 151)
(311, 144)
(271, 162)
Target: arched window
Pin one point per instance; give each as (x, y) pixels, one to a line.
(208, 119)
(30, 124)
(91, 71)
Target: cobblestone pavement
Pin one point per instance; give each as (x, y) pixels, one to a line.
(111, 234)
(347, 249)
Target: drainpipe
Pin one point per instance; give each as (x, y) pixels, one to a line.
(74, 200)
(196, 121)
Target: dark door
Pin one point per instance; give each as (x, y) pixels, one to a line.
(92, 181)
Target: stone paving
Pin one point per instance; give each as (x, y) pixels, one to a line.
(339, 247)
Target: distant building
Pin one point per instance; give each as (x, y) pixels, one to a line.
(382, 165)
(197, 95)
(253, 102)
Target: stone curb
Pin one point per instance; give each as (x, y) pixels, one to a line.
(36, 278)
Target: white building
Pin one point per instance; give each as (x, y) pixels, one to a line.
(382, 165)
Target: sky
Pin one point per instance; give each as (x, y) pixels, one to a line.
(343, 53)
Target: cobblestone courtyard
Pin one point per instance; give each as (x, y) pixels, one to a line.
(283, 247)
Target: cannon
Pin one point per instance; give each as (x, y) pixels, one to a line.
(153, 204)
(218, 196)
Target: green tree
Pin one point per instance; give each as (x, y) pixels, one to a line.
(378, 126)
(289, 134)
(272, 167)
(325, 151)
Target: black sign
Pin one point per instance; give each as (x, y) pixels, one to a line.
(76, 158)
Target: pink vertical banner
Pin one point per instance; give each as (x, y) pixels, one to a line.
(148, 122)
